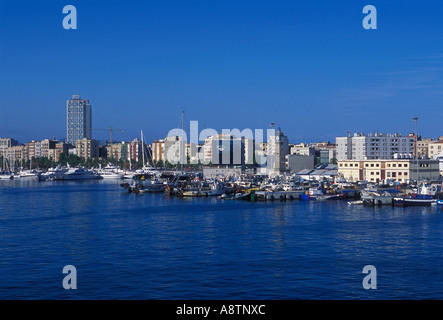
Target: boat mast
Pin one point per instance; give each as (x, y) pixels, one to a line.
(182, 143)
(143, 150)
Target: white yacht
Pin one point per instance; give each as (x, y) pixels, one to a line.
(6, 176)
(53, 174)
(31, 174)
(109, 172)
(80, 174)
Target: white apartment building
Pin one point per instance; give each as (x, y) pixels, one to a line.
(375, 146)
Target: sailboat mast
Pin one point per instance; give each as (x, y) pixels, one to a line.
(182, 142)
(143, 150)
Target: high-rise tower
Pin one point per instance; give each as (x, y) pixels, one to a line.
(78, 119)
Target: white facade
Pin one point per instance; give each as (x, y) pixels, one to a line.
(278, 149)
(374, 146)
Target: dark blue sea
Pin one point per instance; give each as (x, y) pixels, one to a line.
(151, 246)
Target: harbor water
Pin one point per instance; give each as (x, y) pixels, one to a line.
(153, 246)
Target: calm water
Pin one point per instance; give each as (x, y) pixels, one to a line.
(151, 246)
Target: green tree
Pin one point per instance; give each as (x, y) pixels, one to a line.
(159, 164)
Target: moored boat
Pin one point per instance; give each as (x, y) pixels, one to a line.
(80, 174)
(375, 198)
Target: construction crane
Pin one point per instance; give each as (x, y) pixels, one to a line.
(110, 130)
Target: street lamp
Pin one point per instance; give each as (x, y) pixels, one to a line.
(415, 119)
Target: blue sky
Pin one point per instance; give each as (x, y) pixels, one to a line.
(308, 66)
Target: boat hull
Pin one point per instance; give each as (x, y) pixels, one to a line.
(403, 202)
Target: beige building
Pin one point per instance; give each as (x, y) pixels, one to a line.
(395, 170)
(48, 148)
(301, 149)
(61, 147)
(158, 150)
(423, 147)
(87, 148)
(16, 155)
(33, 149)
(435, 147)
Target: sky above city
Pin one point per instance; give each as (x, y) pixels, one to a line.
(308, 66)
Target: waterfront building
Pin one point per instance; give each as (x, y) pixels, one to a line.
(175, 149)
(439, 157)
(5, 144)
(192, 152)
(78, 119)
(297, 162)
(33, 149)
(395, 170)
(135, 150)
(46, 147)
(87, 148)
(278, 149)
(373, 146)
(423, 147)
(301, 149)
(158, 150)
(118, 151)
(228, 150)
(16, 155)
(250, 147)
(61, 147)
(435, 147)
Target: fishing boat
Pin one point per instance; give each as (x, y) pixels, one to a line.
(144, 183)
(196, 189)
(414, 200)
(235, 196)
(427, 195)
(218, 188)
(376, 198)
(318, 194)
